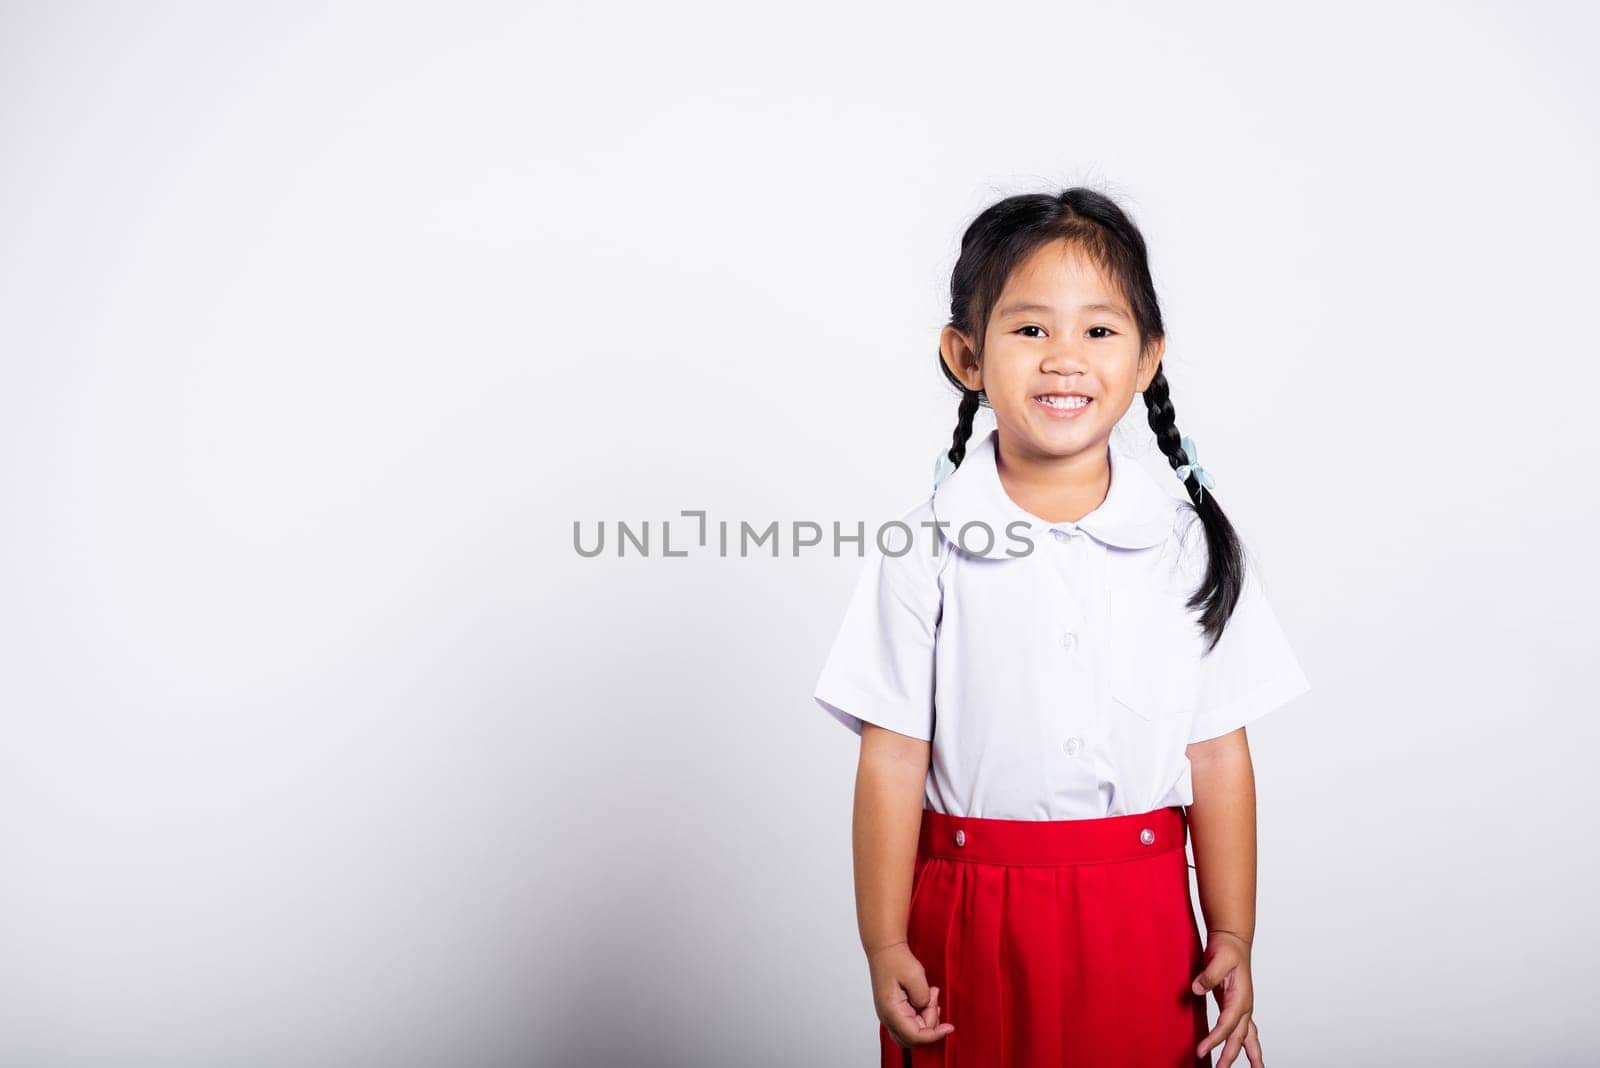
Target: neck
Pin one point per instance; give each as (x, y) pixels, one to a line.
(1057, 489)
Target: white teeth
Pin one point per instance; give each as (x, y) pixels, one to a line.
(1063, 402)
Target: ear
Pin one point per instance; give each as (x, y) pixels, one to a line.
(1149, 364)
(959, 357)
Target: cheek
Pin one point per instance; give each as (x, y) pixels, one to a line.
(1001, 377)
(1003, 371)
(1120, 375)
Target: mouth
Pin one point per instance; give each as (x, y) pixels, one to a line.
(1063, 405)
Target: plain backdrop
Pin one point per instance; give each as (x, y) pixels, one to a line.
(321, 327)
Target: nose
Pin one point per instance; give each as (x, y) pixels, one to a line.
(1063, 359)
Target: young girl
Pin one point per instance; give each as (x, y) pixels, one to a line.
(1050, 665)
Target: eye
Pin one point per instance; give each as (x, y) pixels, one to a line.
(1030, 326)
(1107, 330)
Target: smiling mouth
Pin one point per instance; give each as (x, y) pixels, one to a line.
(1064, 401)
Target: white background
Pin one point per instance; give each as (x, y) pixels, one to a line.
(320, 327)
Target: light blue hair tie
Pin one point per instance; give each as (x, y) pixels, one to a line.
(1192, 467)
(942, 467)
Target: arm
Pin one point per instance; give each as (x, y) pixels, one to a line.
(1251, 671)
(888, 818)
(888, 821)
(1222, 826)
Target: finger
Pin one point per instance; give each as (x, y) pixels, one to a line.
(916, 988)
(1230, 1052)
(1215, 971)
(930, 1016)
(912, 1035)
(903, 1018)
(1252, 1045)
(1227, 1022)
(906, 1014)
(1226, 1019)
(913, 1028)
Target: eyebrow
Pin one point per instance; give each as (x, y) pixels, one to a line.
(1014, 309)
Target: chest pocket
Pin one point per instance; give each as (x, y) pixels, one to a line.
(1154, 657)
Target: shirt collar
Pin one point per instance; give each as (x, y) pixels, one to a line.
(1136, 514)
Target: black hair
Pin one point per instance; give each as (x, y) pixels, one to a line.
(999, 239)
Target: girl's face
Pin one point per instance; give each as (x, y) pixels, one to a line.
(1061, 358)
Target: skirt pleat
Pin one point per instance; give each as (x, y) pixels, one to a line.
(1056, 943)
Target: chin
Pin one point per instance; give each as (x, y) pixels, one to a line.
(1056, 440)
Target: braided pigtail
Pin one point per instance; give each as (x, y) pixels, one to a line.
(970, 399)
(1224, 577)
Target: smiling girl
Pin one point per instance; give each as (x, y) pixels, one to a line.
(1051, 687)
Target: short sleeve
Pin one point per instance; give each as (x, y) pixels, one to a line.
(880, 668)
(1252, 670)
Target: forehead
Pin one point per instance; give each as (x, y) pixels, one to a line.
(1062, 276)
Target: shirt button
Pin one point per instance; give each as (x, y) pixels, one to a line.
(1068, 640)
(1061, 535)
(1072, 745)
(961, 838)
(1147, 836)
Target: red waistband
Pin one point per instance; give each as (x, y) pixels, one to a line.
(1052, 842)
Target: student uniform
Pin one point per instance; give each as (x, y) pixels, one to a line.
(1058, 675)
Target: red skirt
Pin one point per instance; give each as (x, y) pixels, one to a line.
(1056, 942)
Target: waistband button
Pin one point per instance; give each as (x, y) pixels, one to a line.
(961, 838)
(1147, 836)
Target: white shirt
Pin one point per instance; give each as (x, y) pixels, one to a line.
(1054, 666)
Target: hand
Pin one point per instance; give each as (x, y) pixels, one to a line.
(1227, 973)
(906, 1004)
